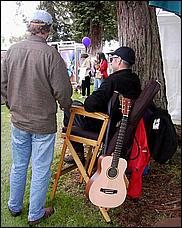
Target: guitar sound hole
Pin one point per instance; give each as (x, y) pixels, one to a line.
(112, 172)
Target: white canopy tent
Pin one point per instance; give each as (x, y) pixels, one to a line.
(170, 36)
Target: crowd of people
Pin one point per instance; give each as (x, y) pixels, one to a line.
(34, 80)
(91, 67)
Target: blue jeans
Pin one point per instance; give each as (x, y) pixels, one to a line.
(97, 83)
(41, 148)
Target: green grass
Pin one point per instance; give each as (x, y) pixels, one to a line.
(72, 207)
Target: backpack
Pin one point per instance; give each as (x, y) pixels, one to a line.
(161, 134)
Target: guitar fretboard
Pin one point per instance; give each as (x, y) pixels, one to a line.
(119, 142)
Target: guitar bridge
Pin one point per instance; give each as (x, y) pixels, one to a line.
(108, 191)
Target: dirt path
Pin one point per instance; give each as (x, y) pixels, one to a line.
(161, 196)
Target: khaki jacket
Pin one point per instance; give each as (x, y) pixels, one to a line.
(33, 78)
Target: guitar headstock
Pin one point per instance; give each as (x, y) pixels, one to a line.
(125, 105)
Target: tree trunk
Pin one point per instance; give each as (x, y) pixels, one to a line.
(138, 29)
(96, 38)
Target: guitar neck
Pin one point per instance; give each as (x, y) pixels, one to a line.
(119, 142)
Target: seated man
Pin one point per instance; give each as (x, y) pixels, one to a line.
(122, 80)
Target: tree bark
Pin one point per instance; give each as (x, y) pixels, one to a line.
(96, 30)
(138, 29)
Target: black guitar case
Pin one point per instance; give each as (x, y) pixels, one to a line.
(141, 104)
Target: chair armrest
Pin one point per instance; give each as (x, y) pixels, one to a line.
(79, 110)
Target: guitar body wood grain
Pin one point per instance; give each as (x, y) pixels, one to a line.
(106, 191)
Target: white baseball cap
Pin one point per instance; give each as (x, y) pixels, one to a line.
(41, 15)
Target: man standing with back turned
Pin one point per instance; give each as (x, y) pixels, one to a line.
(34, 77)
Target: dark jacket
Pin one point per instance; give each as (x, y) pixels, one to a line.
(123, 81)
(33, 78)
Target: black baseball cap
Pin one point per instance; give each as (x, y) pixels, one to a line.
(126, 53)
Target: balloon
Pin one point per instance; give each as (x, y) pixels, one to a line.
(86, 41)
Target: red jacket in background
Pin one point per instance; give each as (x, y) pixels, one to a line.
(103, 68)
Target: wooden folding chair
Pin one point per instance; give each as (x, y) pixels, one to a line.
(95, 140)
(92, 139)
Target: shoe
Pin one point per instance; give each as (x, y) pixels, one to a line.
(69, 160)
(48, 212)
(14, 214)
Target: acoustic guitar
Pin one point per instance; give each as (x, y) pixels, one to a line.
(107, 188)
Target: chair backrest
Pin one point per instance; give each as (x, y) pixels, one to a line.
(80, 111)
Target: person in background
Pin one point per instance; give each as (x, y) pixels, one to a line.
(103, 65)
(85, 74)
(33, 78)
(101, 70)
(97, 74)
(122, 80)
